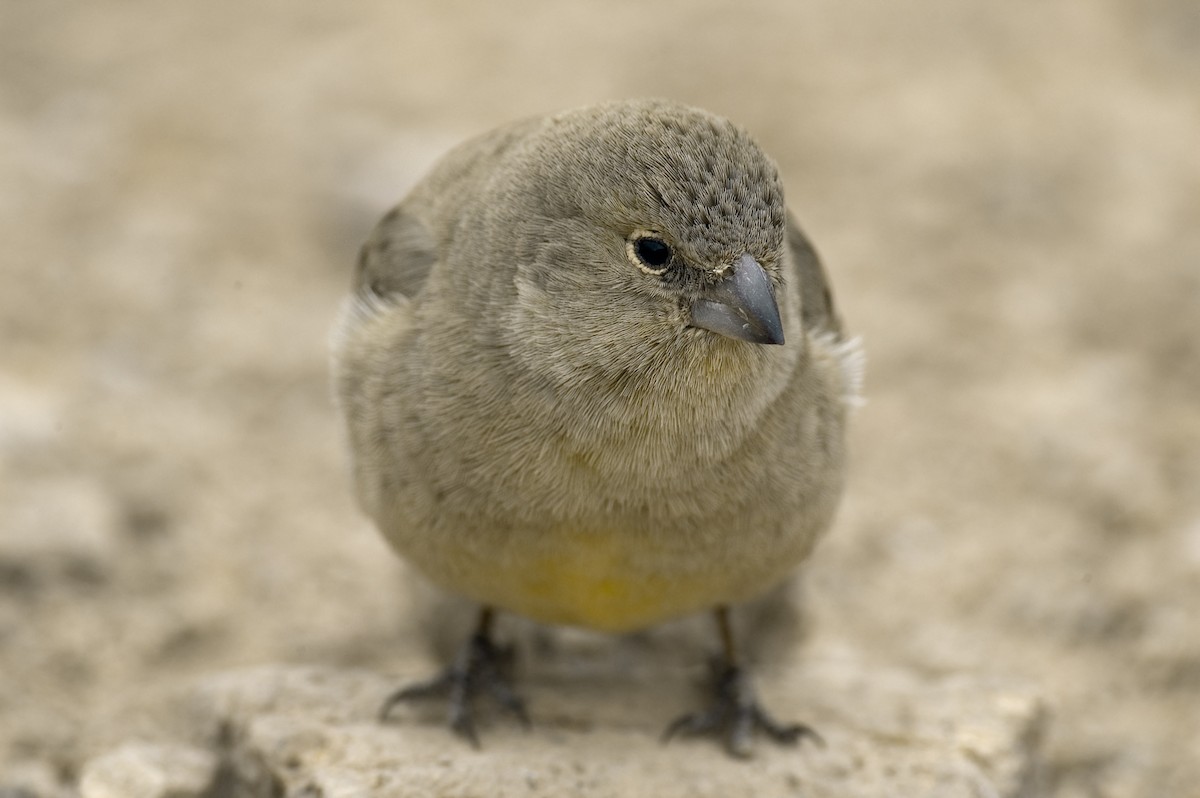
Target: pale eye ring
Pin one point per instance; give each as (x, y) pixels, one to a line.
(649, 253)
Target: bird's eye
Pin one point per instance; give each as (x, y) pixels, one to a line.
(650, 254)
(653, 252)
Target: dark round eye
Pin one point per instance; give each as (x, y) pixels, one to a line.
(653, 252)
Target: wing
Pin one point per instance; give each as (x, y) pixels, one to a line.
(815, 295)
(405, 245)
(397, 257)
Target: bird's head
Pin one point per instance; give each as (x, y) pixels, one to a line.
(648, 230)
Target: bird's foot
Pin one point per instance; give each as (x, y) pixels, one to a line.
(480, 667)
(735, 716)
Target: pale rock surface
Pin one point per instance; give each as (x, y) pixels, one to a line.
(302, 731)
(150, 770)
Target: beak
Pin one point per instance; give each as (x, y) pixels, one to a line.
(741, 306)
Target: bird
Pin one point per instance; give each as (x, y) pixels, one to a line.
(591, 373)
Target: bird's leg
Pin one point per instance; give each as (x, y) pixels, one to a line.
(480, 667)
(734, 714)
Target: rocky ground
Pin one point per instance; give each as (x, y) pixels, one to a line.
(1008, 199)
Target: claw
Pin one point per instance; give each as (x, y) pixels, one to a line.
(505, 697)
(736, 716)
(480, 667)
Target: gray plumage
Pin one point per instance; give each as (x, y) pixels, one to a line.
(536, 423)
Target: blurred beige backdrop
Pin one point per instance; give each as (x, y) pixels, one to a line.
(1007, 196)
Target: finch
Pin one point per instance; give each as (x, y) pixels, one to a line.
(591, 373)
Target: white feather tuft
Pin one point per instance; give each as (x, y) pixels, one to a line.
(852, 362)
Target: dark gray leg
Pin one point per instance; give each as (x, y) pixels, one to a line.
(480, 667)
(734, 714)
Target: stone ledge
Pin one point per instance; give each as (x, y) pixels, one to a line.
(308, 731)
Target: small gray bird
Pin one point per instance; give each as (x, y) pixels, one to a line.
(592, 374)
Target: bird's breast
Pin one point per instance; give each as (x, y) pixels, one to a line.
(611, 580)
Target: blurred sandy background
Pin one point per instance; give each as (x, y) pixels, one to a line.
(1007, 196)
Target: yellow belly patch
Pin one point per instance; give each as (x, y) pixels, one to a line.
(588, 580)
